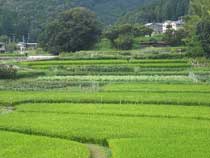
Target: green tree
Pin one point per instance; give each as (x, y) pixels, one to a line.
(123, 42)
(175, 37)
(197, 27)
(120, 33)
(203, 33)
(75, 29)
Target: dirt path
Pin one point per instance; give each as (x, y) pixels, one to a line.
(99, 151)
(35, 58)
(6, 110)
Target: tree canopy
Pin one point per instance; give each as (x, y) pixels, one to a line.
(75, 29)
(158, 11)
(198, 27)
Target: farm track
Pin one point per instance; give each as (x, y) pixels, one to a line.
(6, 110)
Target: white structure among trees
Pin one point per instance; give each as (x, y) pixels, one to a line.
(163, 27)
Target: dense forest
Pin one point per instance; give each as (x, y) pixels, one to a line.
(158, 11)
(26, 18)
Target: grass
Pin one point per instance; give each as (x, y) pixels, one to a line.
(13, 145)
(153, 147)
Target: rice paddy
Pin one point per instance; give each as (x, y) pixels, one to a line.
(114, 108)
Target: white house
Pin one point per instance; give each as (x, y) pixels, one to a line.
(26, 46)
(163, 27)
(169, 24)
(2, 48)
(22, 47)
(156, 27)
(175, 25)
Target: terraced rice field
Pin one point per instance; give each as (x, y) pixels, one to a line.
(120, 113)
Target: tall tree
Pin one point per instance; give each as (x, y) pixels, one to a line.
(75, 29)
(197, 26)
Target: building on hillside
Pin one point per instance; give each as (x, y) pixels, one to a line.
(175, 25)
(26, 46)
(2, 47)
(156, 27)
(163, 27)
(31, 45)
(22, 47)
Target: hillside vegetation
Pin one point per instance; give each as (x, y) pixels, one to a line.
(28, 17)
(157, 12)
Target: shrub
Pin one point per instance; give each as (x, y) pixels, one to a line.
(123, 42)
(122, 36)
(175, 37)
(11, 47)
(203, 33)
(7, 71)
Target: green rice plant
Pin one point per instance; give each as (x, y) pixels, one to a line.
(157, 87)
(14, 145)
(153, 147)
(132, 110)
(34, 85)
(144, 97)
(95, 62)
(122, 73)
(100, 128)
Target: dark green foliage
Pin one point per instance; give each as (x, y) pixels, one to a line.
(123, 42)
(7, 71)
(197, 27)
(27, 18)
(122, 36)
(203, 33)
(11, 47)
(75, 29)
(158, 11)
(175, 37)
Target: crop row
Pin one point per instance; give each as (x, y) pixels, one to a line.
(89, 62)
(170, 73)
(157, 87)
(117, 78)
(174, 98)
(34, 85)
(140, 110)
(153, 147)
(99, 128)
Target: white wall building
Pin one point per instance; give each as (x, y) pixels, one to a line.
(26, 46)
(163, 27)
